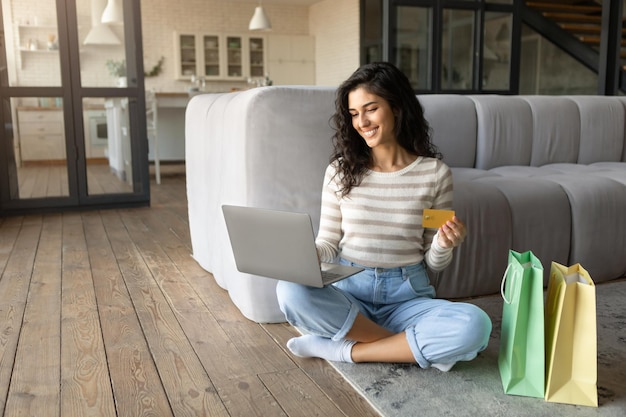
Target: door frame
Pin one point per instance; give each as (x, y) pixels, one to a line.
(73, 93)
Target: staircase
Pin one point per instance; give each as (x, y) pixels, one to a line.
(581, 18)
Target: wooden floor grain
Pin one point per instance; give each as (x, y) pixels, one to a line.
(105, 313)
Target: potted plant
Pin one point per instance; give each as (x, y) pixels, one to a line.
(118, 70)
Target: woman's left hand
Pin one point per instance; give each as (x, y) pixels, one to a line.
(452, 234)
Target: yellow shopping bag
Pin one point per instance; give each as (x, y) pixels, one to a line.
(571, 337)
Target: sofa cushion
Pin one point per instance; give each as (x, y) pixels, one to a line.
(601, 129)
(276, 147)
(502, 139)
(598, 236)
(556, 130)
(487, 215)
(456, 141)
(537, 206)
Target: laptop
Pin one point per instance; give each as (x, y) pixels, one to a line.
(280, 245)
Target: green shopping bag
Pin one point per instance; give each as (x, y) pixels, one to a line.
(521, 359)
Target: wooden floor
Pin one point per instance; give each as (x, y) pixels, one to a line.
(52, 181)
(106, 314)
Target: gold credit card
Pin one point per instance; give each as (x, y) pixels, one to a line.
(434, 219)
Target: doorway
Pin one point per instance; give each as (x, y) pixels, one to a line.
(73, 106)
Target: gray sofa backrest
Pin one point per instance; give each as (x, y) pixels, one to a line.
(503, 140)
(452, 120)
(555, 130)
(601, 129)
(527, 130)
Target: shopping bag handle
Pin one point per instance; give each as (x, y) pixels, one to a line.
(506, 271)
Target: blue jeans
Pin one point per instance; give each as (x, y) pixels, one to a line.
(398, 299)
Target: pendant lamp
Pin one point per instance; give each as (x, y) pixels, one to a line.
(259, 20)
(113, 13)
(100, 34)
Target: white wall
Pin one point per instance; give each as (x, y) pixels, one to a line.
(335, 25)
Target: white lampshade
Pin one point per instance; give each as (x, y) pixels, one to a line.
(99, 34)
(113, 13)
(259, 20)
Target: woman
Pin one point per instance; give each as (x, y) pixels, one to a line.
(384, 171)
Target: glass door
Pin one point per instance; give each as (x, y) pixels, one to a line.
(73, 106)
(412, 44)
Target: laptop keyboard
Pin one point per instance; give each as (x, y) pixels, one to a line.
(330, 276)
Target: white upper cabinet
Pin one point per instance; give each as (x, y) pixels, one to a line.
(219, 56)
(291, 59)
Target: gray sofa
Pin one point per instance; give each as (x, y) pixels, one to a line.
(540, 173)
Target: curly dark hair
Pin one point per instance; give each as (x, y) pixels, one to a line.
(351, 154)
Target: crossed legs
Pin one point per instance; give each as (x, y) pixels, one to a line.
(429, 332)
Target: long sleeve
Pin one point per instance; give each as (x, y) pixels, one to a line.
(436, 257)
(329, 234)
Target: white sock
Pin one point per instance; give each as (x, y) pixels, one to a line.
(443, 367)
(311, 346)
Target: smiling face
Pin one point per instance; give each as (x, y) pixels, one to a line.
(372, 118)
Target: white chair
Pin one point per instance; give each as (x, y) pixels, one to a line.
(151, 127)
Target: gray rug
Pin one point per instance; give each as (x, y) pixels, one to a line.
(474, 388)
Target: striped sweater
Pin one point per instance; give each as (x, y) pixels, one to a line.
(379, 223)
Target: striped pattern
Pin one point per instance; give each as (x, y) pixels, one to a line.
(379, 224)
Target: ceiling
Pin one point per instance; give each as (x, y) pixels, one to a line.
(290, 2)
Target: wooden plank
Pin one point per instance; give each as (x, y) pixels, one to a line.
(241, 391)
(34, 390)
(581, 28)
(134, 378)
(100, 180)
(65, 183)
(595, 40)
(85, 385)
(14, 285)
(298, 395)
(26, 178)
(572, 8)
(188, 387)
(93, 185)
(232, 371)
(9, 231)
(326, 377)
(176, 225)
(572, 17)
(41, 183)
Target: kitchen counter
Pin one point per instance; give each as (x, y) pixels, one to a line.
(172, 100)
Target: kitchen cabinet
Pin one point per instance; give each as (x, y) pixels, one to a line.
(42, 134)
(211, 55)
(291, 59)
(256, 50)
(187, 55)
(218, 56)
